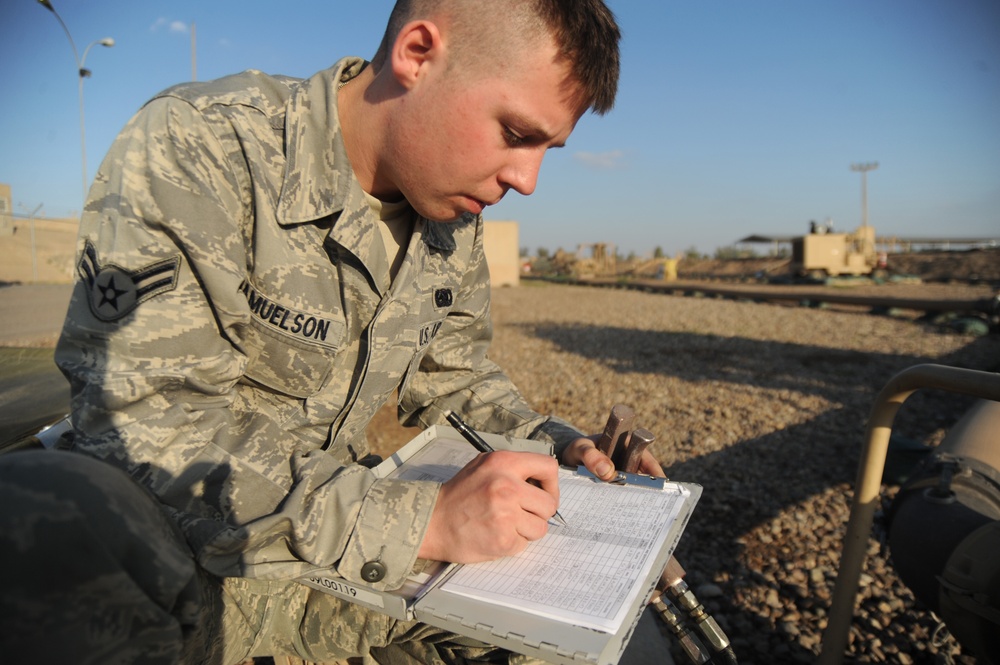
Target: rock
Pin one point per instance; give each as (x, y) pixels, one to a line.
(707, 591)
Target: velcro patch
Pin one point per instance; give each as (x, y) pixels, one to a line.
(113, 291)
(443, 298)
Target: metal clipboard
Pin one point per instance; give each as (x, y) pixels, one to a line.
(423, 597)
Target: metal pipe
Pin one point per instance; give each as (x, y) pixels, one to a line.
(985, 385)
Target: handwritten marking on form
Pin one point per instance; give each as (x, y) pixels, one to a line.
(589, 572)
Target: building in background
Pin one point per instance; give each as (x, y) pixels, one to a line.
(6, 211)
(35, 249)
(502, 253)
(39, 249)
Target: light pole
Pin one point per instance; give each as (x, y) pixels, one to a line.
(867, 235)
(83, 73)
(864, 169)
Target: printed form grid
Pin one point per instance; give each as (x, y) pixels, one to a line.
(587, 572)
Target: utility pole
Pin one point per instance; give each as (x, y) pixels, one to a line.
(867, 234)
(864, 169)
(82, 73)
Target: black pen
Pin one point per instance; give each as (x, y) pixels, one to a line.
(480, 444)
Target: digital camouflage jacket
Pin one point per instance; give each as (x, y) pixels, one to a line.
(233, 330)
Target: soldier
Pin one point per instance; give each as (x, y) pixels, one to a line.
(263, 261)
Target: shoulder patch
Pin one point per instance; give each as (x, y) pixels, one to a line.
(113, 291)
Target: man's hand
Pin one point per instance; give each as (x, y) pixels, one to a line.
(491, 508)
(584, 451)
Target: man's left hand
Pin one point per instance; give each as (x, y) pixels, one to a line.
(584, 451)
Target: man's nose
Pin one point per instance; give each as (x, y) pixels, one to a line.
(521, 172)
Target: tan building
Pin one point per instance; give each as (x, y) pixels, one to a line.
(39, 250)
(6, 211)
(500, 243)
(42, 250)
(35, 249)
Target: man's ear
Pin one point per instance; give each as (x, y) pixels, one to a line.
(418, 47)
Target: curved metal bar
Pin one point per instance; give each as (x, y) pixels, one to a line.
(985, 385)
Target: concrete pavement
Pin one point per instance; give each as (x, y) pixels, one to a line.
(32, 314)
(33, 392)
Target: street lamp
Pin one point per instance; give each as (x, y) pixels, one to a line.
(863, 169)
(868, 236)
(83, 73)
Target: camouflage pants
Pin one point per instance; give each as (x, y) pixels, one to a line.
(94, 572)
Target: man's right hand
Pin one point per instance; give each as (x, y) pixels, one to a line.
(489, 509)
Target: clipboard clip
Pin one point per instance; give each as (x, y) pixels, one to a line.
(625, 478)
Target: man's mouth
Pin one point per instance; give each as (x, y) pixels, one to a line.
(477, 205)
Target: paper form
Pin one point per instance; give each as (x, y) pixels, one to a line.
(438, 462)
(587, 573)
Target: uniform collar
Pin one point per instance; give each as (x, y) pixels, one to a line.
(319, 181)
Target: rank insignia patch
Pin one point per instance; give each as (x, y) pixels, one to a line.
(443, 298)
(114, 291)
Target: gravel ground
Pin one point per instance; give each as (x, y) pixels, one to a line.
(765, 406)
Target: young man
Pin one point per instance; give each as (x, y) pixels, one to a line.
(263, 261)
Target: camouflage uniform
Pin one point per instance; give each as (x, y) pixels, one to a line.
(233, 330)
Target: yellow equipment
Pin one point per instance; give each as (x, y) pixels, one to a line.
(824, 253)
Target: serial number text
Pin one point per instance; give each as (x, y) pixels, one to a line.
(335, 586)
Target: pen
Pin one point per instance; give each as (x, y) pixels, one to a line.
(480, 444)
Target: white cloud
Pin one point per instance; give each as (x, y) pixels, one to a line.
(175, 27)
(605, 161)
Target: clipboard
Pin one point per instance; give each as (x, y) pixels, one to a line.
(597, 628)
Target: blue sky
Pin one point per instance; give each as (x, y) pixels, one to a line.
(733, 117)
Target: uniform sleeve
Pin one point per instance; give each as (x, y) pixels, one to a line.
(456, 374)
(154, 348)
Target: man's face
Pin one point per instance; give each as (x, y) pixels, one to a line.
(462, 140)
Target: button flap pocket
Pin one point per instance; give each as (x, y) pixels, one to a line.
(287, 365)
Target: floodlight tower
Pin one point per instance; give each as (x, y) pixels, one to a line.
(864, 169)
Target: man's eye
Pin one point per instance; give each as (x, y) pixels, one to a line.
(511, 138)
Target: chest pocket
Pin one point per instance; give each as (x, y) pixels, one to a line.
(431, 323)
(290, 352)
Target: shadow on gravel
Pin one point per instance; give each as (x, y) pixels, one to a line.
(847, 377)
(694, 357)
(801, 461)
(737, 500)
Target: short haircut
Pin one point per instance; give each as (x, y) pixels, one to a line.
(584, 31)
